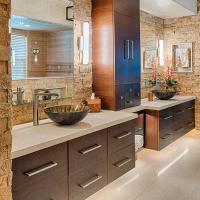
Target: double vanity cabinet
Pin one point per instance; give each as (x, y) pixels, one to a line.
(77, 168)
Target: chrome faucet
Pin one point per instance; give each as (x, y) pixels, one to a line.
(36, 94)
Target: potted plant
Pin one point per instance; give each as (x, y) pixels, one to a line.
(163, 82)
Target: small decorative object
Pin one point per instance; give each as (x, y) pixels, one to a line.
(70, 13)
(162, 80)
(150, 96)
(94, 104)
(182, 57)
(36, 52)
(148, 57)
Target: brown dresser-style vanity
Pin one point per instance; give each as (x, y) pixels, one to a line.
(165, 126)
(77, 168)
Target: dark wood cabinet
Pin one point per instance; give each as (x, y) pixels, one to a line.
(121, 150)
(76, 169)
(42, 175)
(164, 127)
(116, 52)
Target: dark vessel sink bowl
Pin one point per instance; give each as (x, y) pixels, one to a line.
(68, 114)
(164, 94)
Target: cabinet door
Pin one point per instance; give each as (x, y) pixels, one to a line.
(41, 175)
(128, 7)
(127, 49)
(132, 95)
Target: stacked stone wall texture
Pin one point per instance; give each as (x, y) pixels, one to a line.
(5, 103)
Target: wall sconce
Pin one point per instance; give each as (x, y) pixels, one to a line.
(161, 52)
(86, 43)
(36, 52)
(70, 13)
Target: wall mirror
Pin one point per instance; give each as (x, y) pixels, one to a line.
(41, 39)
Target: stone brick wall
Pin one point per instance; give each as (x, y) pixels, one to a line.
(5, 103)
(186, 29)
(82, 73)
(152, 30)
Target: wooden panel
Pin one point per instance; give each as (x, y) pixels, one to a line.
(120, 136)
(88, 181)
(4, 53)
(49, 184)
(152, 130)
(87, 150)
(4, 124)
(128, 7)
(103, 52)
(121, 162)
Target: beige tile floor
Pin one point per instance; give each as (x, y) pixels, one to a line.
(172, 174)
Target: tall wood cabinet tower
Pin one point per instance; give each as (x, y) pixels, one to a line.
(116, 52)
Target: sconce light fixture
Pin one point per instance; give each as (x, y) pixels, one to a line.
(70, 13)
(86, 43)
(36, 52)
(161, 52)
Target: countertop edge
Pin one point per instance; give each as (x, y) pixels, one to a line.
(38, 147)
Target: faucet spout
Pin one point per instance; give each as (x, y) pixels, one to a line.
(36, 95)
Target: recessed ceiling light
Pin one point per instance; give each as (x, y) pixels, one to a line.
(27, 25)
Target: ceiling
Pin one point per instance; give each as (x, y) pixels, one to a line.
(24, 23)
(169, 8)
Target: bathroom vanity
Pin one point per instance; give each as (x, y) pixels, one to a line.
(72, 162)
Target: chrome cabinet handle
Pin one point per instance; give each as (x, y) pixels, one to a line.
(190, 108)
(179, 112)
(41, 169)
(124, 135)
(190, 123)
(90, 182)
(127, 47)
(123, 162)
(169, 117)
(90, 149)
(179, 129)
(132, 49)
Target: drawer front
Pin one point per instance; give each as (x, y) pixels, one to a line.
(88, 181)
(189, 116)
(132, 95)
(120, 136)
(41, 175)
(87, 150)
(166, 138)
(166, 120)
(121, 162)
(120, 97)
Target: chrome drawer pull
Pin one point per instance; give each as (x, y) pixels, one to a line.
(123, 162)
(124, 135)
(190, 108)
(169, 117)
(41, 169)
(179, 112)
(90, 182)
(90, 149)
(190, 123)
(179, 129)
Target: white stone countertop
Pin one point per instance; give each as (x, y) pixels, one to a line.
(28, 138)
(160, 104)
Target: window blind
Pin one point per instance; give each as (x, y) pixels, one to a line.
(19, 56)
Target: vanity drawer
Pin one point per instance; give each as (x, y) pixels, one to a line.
(88, 181)
(121, 162)
(166, 119)
(166, 138)
(121, 136)
(87, 150)
(41, 175)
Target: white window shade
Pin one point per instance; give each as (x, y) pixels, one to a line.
(19, 56)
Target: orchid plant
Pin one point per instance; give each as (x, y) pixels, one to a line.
(162, 75)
